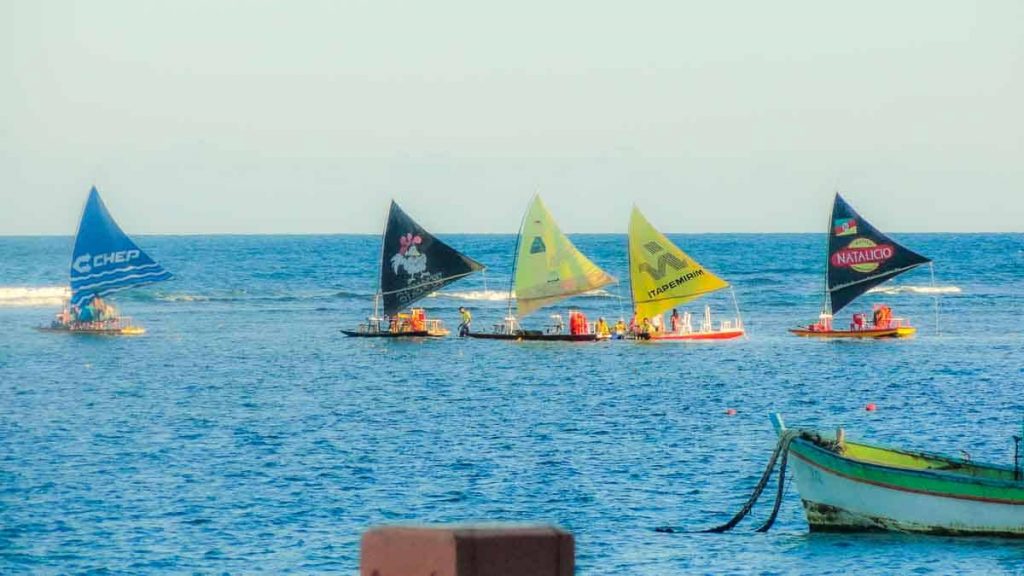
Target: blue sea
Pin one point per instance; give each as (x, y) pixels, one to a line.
(245, 434)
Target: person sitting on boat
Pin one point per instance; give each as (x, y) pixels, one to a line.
(824, 323)
(858, 322)
(657, 324)
(645, 327)
(467, 319)
(676, 322)
(882, 316)
(634, 324)
(418, 319)
(87, 313)
(103, 311)
(620, 328)
(601, 328)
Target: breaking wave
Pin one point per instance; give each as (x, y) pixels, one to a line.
(473, 295)
(246, 296)
(501, 295)
(929, 290)
(38, 296)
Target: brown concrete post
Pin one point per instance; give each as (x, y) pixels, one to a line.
(467, 550)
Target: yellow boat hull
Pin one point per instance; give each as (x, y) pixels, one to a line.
(897, 332)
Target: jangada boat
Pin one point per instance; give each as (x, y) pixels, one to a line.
(105, 260)
(662, 276)
(852, 487)
(548, 269)
(859, 258)
(413, 264)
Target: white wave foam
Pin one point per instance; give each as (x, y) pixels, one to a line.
(477, 295)
(931, 290)
(33, 296)
(501, 295)
(182, 298)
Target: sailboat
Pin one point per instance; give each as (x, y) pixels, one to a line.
(105, 260)
(548, 269)
(413, 264)
(662, 276)
(860, 257)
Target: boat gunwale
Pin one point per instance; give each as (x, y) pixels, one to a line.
(865, 333)
(933, 474)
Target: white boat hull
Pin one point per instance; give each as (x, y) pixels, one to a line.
(835, 503)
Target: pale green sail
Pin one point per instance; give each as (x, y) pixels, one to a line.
(548, 265)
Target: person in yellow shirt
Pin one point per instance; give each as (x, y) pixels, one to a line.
(620, 328)
(601, 329)
(467, 319)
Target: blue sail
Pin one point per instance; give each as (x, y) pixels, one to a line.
(105, 259)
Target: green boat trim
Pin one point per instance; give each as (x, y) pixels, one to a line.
(915, 472)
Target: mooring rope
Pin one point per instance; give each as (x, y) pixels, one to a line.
(779, 493)
(781, 447)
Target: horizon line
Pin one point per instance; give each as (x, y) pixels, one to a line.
(747, 233)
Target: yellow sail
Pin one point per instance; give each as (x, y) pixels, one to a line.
(548, 265)
(660, 274)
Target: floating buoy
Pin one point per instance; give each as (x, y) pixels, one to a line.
(730, 412)
(870, 407)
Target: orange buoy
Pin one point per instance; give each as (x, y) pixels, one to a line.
(730, 412)
(870, 407)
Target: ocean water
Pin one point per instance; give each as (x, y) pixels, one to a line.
(245, 434)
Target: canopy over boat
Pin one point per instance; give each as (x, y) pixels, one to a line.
(105, 259)
(414, 263)
(860, 257)
(548, 265)
(661, 275)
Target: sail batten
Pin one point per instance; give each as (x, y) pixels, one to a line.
(105, 260)
(414, 263)
(860, 256)
(661, 275)
(549, 268)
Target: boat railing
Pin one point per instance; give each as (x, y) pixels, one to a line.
(115, 323)
(372, 325)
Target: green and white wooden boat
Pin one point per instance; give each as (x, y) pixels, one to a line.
(852, 487)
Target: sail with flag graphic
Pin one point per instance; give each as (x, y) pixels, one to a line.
(414, 263)
(661, 275)
(860, 256)
(105, 259)
(548, 265)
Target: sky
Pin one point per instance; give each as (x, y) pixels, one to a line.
(308, 117)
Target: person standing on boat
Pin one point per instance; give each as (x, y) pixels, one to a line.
(467, 319)
(676, 321)
(601, 328)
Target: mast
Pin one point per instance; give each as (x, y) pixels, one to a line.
(515, 256)
(74, 240)
(826, 303)
(380, 260)
(629, 262)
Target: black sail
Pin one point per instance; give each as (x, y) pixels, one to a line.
(414, 263)
(860, 257)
